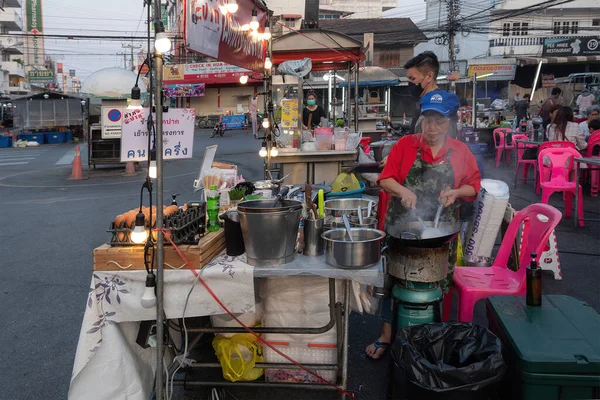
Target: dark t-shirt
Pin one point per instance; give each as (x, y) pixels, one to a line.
(522, 107)
(546, 106)
(316, 116)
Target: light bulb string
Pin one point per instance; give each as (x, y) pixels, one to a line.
(249, 330)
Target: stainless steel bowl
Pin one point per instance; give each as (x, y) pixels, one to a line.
(335, 209)
(363, 252)
(370, 222)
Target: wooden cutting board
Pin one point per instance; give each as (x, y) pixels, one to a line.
(131, 258)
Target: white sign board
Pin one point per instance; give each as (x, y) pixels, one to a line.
(112, 119)
(178, 134)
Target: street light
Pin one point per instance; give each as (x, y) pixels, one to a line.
(162, 43)
(268, 63)
(244, 79)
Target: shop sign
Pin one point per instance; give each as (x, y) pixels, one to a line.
(548, 80)
(35, 26)
(44, 76)
(572, 46)
(289, 114)
(112, 119)
(226, 37)
(500, 72)
(184, 90)
(178, 134)
(208, 73)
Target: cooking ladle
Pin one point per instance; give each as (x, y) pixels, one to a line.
(347, 225)
(438, 214)
(419, 219)
(280, 195)
(360, 217)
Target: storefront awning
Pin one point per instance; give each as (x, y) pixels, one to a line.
(522, 61)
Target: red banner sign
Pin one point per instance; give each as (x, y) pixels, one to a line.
(209, 73)
(211, 31)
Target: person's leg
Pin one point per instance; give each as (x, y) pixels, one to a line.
(377, 349)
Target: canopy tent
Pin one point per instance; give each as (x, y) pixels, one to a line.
(375, 76)
(328, 50)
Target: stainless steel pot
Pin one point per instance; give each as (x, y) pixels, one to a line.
(363, 252)
(335, 209)
(370, 222)
(385, 291)
(270, 232)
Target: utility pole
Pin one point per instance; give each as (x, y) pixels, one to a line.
(131, 47)
(448, 38)
(124, 54)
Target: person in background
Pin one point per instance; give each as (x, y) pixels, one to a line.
(592, 113)
(553, 110)
(564, 128)
(546, 105)
(423, 171)
(585, 100)
(522, 108)
(593, 127)
(517, 98)
(313, 113)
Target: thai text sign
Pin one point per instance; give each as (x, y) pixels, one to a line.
(499, 72)
(289, 114)
(43, 76)
(226, 37)
(208, 72)
(35, 26)
(178, 134)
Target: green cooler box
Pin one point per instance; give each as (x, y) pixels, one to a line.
(553, 351)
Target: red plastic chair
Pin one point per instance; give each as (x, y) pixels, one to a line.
(476, 283)
(501, 146)
(560, 144)
(594, 146)
(558, 177)
(520, 150)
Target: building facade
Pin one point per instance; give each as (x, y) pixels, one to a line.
(12, 50)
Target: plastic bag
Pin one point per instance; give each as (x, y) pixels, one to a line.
(345, 183)
(238, 355)
(445, 357)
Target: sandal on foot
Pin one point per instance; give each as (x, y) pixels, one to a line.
(379, 345)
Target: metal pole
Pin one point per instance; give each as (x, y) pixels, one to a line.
(535, 81)
(474, 106)
(158, 77)
(334, 97)
(329, 96)
(356, 97)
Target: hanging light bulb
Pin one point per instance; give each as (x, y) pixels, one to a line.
(223, 9)
(152, 169)
(263, 151)
(244, 79)
(162, 43)
(139, 234)
(265, 123)
(267, 33)
(268, 63)
(148, 299)
(254, 21)
(232, 6)
(274, 151)
(136, 95)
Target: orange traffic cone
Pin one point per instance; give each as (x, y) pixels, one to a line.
(77, 170)
(130, 168)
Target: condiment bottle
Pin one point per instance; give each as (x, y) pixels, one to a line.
(534, 283)
(212, 208)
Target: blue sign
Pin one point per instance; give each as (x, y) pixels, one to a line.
(114, 115)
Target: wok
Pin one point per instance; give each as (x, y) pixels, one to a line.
(412, 234)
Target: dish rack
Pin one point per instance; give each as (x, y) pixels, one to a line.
(186, 227)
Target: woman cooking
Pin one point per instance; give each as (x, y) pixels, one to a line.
(422, 171)
(313, 114)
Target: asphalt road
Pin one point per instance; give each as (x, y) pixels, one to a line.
(51, 225)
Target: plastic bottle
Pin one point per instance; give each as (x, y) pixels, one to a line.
(212, 207)
(534, 283)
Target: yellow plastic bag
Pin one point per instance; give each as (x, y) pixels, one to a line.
(345, 183)
(459, 253)
(238, 355)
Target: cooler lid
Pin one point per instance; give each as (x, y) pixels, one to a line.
(560, 337)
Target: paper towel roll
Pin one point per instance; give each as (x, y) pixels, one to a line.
(489, 213)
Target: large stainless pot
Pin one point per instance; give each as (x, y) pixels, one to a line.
(363, 252)
(270, 232)
(336, 209)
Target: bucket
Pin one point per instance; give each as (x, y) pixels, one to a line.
(269, 232)
(234, 241)
(323, 138)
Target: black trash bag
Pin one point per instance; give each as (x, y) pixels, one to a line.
(445, 357)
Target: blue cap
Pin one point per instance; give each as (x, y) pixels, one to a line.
(440, 101)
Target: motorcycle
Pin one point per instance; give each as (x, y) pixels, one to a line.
(396, 131)
(219, 129)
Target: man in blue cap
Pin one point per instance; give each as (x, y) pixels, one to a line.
(422, 171)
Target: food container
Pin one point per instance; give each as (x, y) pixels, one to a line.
(313, 242)
(323, 138)
(270, 232)
(335, 209)
(363, 252)
(369, 222)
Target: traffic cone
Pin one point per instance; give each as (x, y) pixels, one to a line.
(130, 168)
(77, 170)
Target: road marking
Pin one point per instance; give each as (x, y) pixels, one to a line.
(67, 158)
(16, 158)
(15, 163)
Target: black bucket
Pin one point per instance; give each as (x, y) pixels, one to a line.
(234, 242)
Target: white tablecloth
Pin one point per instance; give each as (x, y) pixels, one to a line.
(110, 365)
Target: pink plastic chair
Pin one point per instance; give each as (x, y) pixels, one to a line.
(520, 149)
(501, 145)
(559, 144)
(476, 283)
(558, 177)
(594, 147)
